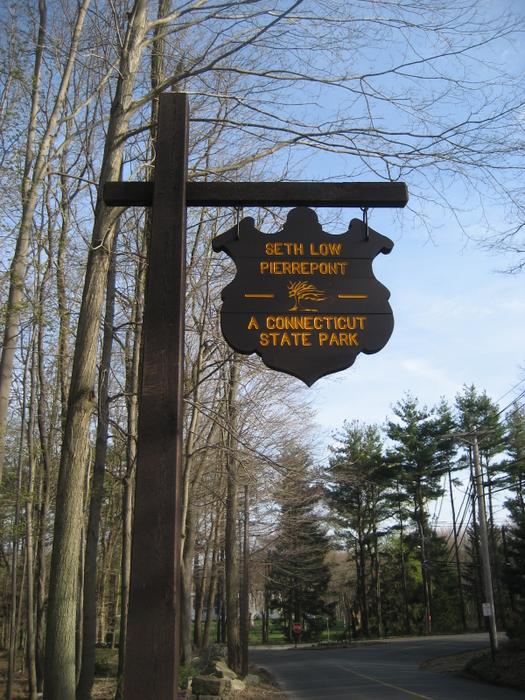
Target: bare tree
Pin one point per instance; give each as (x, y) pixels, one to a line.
(35, 167)
(436, 105)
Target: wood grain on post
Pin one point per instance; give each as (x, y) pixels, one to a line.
(152, 650)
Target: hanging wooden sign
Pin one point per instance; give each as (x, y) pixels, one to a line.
(305, 300)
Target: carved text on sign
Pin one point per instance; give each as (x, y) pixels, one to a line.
(305, 300)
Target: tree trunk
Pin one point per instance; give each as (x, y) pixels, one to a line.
(30, 490)
(41, 578)
(377, 580)
(13, 626)
(63, 312)
(132, 392)
(89, 627)
(191, 476)
(421, 524)
(361, 575)
(127, 516)
(403, 565)
(199, 581)
(80, 598)
(512, 598)
(212, 586)
(265, 623)
(230, 541)
(245, 594)
(220, 632)
(187, 586)
(60, 640)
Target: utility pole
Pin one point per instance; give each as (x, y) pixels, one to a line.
(488, 605)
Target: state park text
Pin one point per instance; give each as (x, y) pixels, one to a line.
(306, 331)
(300, 331)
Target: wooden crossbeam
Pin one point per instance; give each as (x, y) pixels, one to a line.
(266, 194)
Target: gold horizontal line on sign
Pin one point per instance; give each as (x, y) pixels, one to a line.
(259, 296)
(353, 296)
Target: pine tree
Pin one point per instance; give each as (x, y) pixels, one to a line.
(421, 454)
(515, 575)
(403, 604)
(299, 575)
(514, 468)
(357, 494)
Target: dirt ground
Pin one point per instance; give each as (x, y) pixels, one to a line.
(104, 688)
(19, 685)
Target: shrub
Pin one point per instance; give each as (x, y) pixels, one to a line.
(186, 673)
(516, 627)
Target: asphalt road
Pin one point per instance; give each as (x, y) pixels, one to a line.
(383, 671)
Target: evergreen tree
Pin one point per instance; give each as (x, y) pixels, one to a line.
(420, 456)
(479, 416)
(357, 494)
(441, 572)
(478, 413)
(299, 575)
(515, 575)
(445, 592)
(403, 603)
(514, 468)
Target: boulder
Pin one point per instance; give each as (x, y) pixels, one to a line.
(237, 684)
(253, 679)
(204, 685)
(222, 670)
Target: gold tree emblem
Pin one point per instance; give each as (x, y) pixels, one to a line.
(299, 291)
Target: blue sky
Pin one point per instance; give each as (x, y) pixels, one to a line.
(457, 321)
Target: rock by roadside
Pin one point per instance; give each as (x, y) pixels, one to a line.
(261, 685)
(222, 682)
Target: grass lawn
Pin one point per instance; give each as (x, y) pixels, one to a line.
(332, 632)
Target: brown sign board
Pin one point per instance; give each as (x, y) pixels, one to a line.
(306, 301)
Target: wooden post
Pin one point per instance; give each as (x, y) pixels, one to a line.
(152, 650)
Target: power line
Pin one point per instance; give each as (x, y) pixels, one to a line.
(521, 381)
